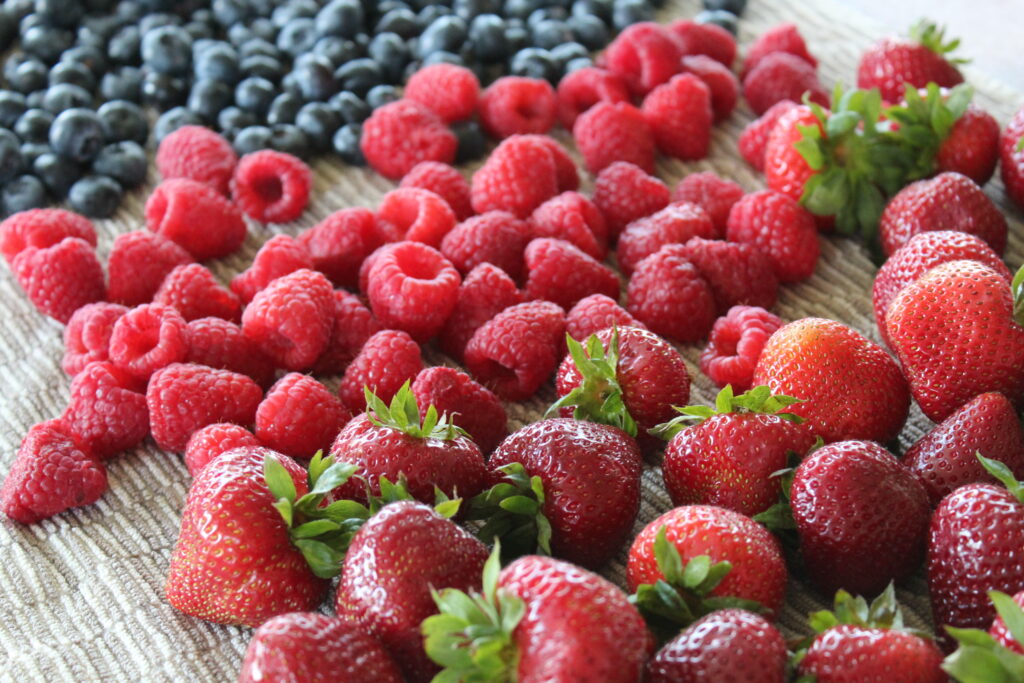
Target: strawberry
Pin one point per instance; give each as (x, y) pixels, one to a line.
(972, 549)
(957, 334)
(944, 457)
(997, 655)
(868, 644)
(538, 619)
(893, 63)
(562, 487)
(1011, 158)
(1005, 630)
(972, 147)
(394, 563)
(314, 648)
(731, 454)
(843, 497)
(851, 388)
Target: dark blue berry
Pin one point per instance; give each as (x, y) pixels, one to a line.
(163, 90)
(218, 62)
(34, 125)
(230, 12)
(336, 50)
(391, 53)
(8, 29)
(341, 18)
(521, 9)
(167, 49)
(431, 13)
(75, 74)
(380, 95)
(315, 77)
(124, 46)
(549, 33)
(151, 22)
(25, 73)
(232, 119)
(535, 62)
(89, 56)
(319, 121)
(198, 31)
(566, 52)
(517, 38)
(470, 9)
(487, 38)
(443, 57)
(124, 83)
(346, 144)
(125, 162)
(77, 134)
(123, 120)
(255, 94)
(65, 96)
(96, 196)
(399, 20)
(628, 12)
(261, 66)
(11, 161)
(734, 6)
(287, 137)
(297, 36)
(173, 119)
(35, 100)
(257, 46)
(47, 42)
(577, 64)
(726, 20)
(588, 31)
(264, 29)
(284, 108)
(22, 193)
(471, 139)
(546, 14)
(251, 139)
(30, 151)
(447, 34)
(288, 12)
(57, 173)
(351, 107)
(598, 9)
(60, 12)
(12, 106)
(359, 75)
(208, 97)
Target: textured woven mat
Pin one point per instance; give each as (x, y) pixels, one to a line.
(81, 595)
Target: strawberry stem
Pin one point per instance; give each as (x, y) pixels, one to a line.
(513, 511)
(757, 400)
(980, 658)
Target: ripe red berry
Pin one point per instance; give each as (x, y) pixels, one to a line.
(712, 193)
(572, 217)
(485, 292)
(444, 181)
(645, 55)
(583, 88)
(197, 153)
(353, 325)
(737, 273)
(782, 76)
(624, 192)
(675, 224)
(219, 343)
(106, 413)
(291, 320)
(610, 132)
(495, 237)
(60, 279)
(1011, 158)
(280, 255)
(401, 134)
(781, 228)
(139, 261)
(87, 335)
(782, 38)
(520, 175)
(412, 287)
(516, 105)
(594, 313)
(341, 242)
(735, 344)
(271, 186)
(705, 39)
(565, 168)
(417, 214)
(466, 403)
(450, 91)
(680, 116)
(668, 295)
(299, 416)
(754, 138)
(558, 271)
(213, 440)
(972, 146)
(195, 292)
(42, 228)
(196, 217)
(147, 338)
(387, 360)
(721, 83)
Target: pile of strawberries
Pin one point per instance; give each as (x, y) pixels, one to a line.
(463, 551)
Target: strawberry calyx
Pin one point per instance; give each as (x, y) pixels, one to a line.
(779, 517)
(756, 400)
(404, 415)
(926, 121)
(598, 397)
(684, 594)
(471, 636)
(930, 35)
(1017, 288)
(1004, 475)
(980, 658)
(513, 512)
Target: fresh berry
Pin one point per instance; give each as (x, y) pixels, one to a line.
(197, 153)
(42, 228)
(675, 224)
(106, 412)
(341, 242)
(735, 344)
(782, 38)
(558, 271)
(645, 55)
(893, 63)
(754, 139)
(412, 287)
(469, 405)
(972, 146)
(139, 262)
(785, 169)
(53, 471)
(291, 319)
(1011, 158)
(353, 325)
(444, 181)
(705, 39)
(680, 115)
(738, 273)
(849, 386)
(782, 76)
(572, 217)
(668, 295)
(147, 338)
(496, 237)
(196, 217)
(299, 416)
(712, 193)
(195, 292)
(515, 105)
(271, 187)
(593, 313)
(279, 256)
(450, 91)
(213, 440)
(484, 293)
(625, 192)
(387, 360)
(781, 228)
(582, 89)
(519, 176)
(87, 335)
(219, 343)
(60, 279)
(1001, 632)
(417, 214)
(565, 168)
(610, 132)
(401, 134)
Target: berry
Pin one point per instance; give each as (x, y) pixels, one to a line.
(299, 416)
(680, 116)
(213, 440)
(754, 139)
(195, 292)
(645, 55)
(195, 216)
(444, 181)
(721, 83)
(520, 175)
(280, 255)
(565, 168)
(125, 162)
(735, 344)
(341, 242)
(782, 76)
(353, 325)
(53, 471)
(582, 89)
(514, 105)
(609, 132)
(62, 278)
(271, 187)
(197, 153)
(594, 313)
(219, 343)
(737, 273)
(781, 228)
(417, 215)
(412, 287)
(96, 196)
(972, 146)
(290, 320)
(574, 218)
(624, 192)
(466, 403)
(712, 193)
(401, 134)
(139, 262)
(387, 360)
(668, 295)
(42, 228)
(782, 38)
(1011, 158)
(675, 224)
(485, 291)
(706, 39)
(560, 272)
(77, 134)
(147, 338)
(105, 412)
(87, 335)
(892, 63)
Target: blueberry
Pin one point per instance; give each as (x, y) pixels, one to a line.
(288, 12)
(726, 20)
(251, 139)
(156, 20)
(35, 100)
(47, 42)
(472, 142)
(218, 62)
(549, 33)
(734, 6)
(431, 13)
(391, 53)
(297, 36)
(346, 144)
(598, 9)
(566, 52)
(30, 151)
(628, 12)
(163, 90)
(315, 77)
(590, 32)
(208, 97)
(230, 12)
(129, 10)
(57, 173)
(290, 84)
(263, 28)
(65, 96)
(342, 18)
(446, 33)
(124, 46)
(19, 8)
(125, 162)
(380, 95)
(34, 125)
(11, 161)
(230, 120)
(239, 35)
(95, 196)
(22, 193)
(287, 137)
(318, 121)
(257, 46)
(535, 62)
(173, 119)
(95, 31)
(443, 57)
(167, 50)
(399, 20)
(577, 64)
(470, 9)
(77, 134)
(75, 74)
(359, 75)
(198, 31)
(284, 109)
(12, 106)
(261, 66)
(546, 14)
(336, 50)
(123, 120)
(255, 94)
(350, 107)
(8, 29)
(124, 83)
(89, 56)
(487, 38)
(521, 9)
(25, 73)
(516, 37)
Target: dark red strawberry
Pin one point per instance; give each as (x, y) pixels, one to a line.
(1011, 157)
(893, 63)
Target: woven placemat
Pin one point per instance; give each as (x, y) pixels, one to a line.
(81, 595)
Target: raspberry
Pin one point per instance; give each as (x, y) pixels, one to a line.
(216, 439)
(401, 134)
(353, 325)
(675, 224)
(60, 279)
(139, 261)
(413, 288)
(580, 90)
(341, 242)
(737, 339)
(468, 404)
(485, 292)
(608, 132)
(754, 139)
(516, 105)
(53, 471)
(291, 319)
(418, 215)
(183, 398)
(105, 412)
(565, 168)
(519, 176)
(147, 338)
(594, 313)
(367, 265)
(645, 55)
(42, 228)
(679, 115)
(737, 273)
(782, 38)
(782, 76)
(299, 416)
(280, 255)
(721, 82)
(713, 194)
(624, 192)
(219, 343)
(574, 218)
(496, 237)
(781, 228)
(197, 153)
(705, 39)
(516, 351)
(669, 296)
(444, 181)
(271, 187)
(450, 91)
(388, 359)
(87, 335)
(560, 272)
(195, 292)
(196, 217)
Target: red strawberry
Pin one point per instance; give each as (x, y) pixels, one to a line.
(1011, 158)
(999, 629)
(892, 63)
(997, 654)
(394, 564)
(308, 647)
(473, 407)
(785, 169)
(669, 296)
(730, 455)
(956, 336)
(851, 388)
(972, 146)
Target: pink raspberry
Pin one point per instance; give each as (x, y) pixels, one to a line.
(560, 272)
(299, 416)
(412, 287)
(781, 228)
(519, 176)
(565, 168)
(466, 403)
(353, 325)
(713, 194)
(705, 39)
(485, 292)
(388, 360)
(418, 215)
(737, 273)
(139, 261)
(721, 82)
(782, 76)
(271, 187)
(196, 217)
(675, 224)
(669, 296)
(213, 440)
(42, 228)
(679, 115)
(197, 153)
(147, 338)
(594, 313)
(572, 217)
(280, 255)
(401, 134)
(754, 138)
(87, 335)
(219, 343)
(782, 38)
(737, 339)
(516, 105)
(341, 242)
(609, 132)
(582, 89)
(450, 91)
(195, 292)
(60, 279)
(444, 181)
(291, 320)
(645, 55)
(495, 237)
(624, 192)
(106, 412)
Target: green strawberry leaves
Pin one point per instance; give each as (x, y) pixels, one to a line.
(932, 36)
(1017, 288)
(1004, 475)
(926, 121)
(598, 397)
(980, 658)
(756, 400)
(404, 415)
(512, 511)
(883, 612)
